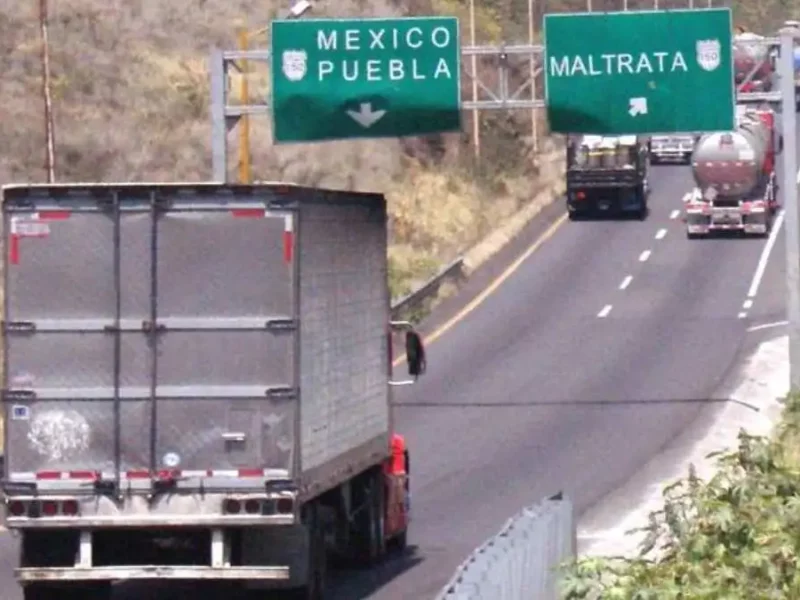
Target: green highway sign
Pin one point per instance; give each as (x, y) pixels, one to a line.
(365, 78)
(640, 72)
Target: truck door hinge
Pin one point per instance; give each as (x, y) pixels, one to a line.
(281, 325)
(147, 327)
(17, 395)
(19, 326)
(281, 393)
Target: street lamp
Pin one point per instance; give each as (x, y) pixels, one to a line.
(297, 9)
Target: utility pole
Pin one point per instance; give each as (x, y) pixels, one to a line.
(297, 9)
(50, 144)
(789, 192)
(476, 118)
(245, 174)
(532, 65)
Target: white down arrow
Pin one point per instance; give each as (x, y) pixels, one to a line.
(365, 116)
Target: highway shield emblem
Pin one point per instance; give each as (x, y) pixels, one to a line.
(294, 64)
(708, 54)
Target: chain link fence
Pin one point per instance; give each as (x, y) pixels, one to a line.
(520, 562)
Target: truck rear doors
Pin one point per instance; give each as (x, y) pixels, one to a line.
(149, 333)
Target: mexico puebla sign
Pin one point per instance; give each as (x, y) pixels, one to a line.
(639, 72)
(355, 78)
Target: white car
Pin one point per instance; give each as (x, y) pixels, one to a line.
(671, 148)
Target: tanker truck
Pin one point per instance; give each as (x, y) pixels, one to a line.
(753, 63)
(197, 386)
(734, 172)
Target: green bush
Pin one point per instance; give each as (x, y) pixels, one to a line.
(734, 537)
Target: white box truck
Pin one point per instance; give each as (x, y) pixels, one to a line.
(196, 385)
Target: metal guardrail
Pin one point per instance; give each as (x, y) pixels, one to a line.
(452, 271)
(522, 561)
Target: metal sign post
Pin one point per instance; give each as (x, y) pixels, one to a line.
(789, 193)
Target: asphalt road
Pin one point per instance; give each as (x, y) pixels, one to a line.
(543, 387)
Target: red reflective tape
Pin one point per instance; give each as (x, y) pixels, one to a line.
(138, 474)
(249, 213)
(168, 474)
(288, 246)
(48, 475)
(84, 475)
(54, 215)
(13, 249)
(251, 472)
(288, 238)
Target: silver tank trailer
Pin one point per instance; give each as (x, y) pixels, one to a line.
(748, 54)
(732, 162)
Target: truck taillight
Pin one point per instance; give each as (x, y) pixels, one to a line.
(16, 508)
(35, 509)
(258, 506)
(49, 508)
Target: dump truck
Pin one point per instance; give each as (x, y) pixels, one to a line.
(734, 172)
(607, 175)
(197, 386)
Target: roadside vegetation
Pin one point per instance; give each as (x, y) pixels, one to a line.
(733, 536)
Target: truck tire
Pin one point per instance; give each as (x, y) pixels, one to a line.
(400, 542)
(642, 211)
(67, 591)
(314, 589)
(371, 539)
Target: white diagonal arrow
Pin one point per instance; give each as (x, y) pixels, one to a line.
(366, 117)
(638, 106)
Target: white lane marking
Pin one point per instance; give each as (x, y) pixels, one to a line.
(762, 261)
(747, 304)
(661, 234)
(644, 256)
(742, 315)
(768, 326)
(604, 313)
(674, 214)
(626, 282)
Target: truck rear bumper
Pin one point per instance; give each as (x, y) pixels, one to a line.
(706, 228)
(606, 200)
(671, 154)
(29, 575)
